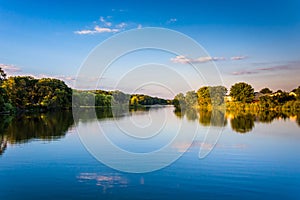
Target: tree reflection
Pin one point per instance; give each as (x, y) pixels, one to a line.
(243, 123)
(23, 128)
(212, 118)
(191, 114)
(4, 123)
(179, 112)
(205, 116)
(267, 116)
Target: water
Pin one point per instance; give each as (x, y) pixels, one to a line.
(256, 157)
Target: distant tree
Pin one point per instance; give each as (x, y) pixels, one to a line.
(103, 100)
(2, 91)
(211, 95)
(204, 96)
(191, 98)
(266, 102)
(266, 91)
(297, 92)
(242, 92)
(179, 101)
(2, 75)
(217, 94)
(120, 98)
(282, 97)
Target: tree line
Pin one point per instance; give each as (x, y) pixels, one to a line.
(21, 93)
(25, 93)
(241, 97)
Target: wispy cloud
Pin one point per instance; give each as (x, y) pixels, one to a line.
(288, 66)
(275, 68)
(243, 72)
(104, 26)
(8, 68)
(119, 10)
(184, 60)
(172, 20)
(238, 57)
(105, 22)
(97, 29)
(121, 25)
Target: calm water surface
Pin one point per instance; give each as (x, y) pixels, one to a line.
(257, 157)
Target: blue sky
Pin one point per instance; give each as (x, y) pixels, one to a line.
(259, 40)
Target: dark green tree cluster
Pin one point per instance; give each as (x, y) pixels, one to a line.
(242, 92)
(145, 100)
(26, 93)
(4, 105)
(102, 98)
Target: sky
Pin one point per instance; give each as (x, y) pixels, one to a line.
(252, 41)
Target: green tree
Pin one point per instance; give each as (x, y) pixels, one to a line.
(242, 92)
(217, 94)
(208, 95)
(179, 101)
(52, 93)
(297, 92)
(191, 98)
(120, 98)
(266, 91)
(266, 102)
(204, 96)
(19, 90)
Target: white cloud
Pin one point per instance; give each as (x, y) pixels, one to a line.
(139, 26)
(238, 57)
(97, 29)
(10, 68)
(184, 60)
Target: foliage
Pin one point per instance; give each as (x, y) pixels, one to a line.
(297, 92)
(179, 101)
(25, 92)
(144, 100)
(204, 96)
(242, 92)
(266, 91)
(191, 98)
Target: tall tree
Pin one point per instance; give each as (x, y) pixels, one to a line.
(204, 96)
(242, 92)
(191, 98)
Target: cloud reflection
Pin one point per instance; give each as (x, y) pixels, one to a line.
(105, 181)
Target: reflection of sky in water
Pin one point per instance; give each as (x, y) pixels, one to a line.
(104, 181)
(261, 163)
